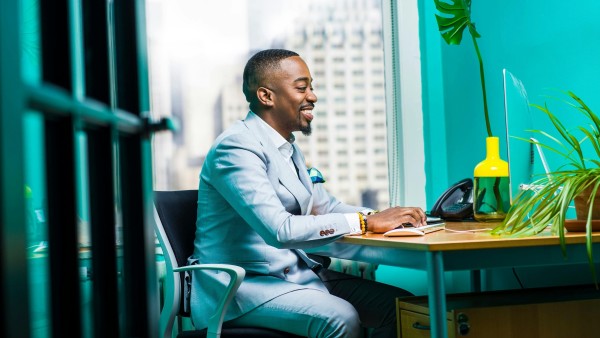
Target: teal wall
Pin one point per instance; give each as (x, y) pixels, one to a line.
(550, 45)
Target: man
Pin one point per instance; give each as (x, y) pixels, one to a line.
(257, 208)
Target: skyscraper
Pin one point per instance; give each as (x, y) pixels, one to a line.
(342, 43)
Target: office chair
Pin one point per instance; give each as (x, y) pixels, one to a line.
(175, 226)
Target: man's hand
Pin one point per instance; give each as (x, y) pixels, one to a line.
(393, 217)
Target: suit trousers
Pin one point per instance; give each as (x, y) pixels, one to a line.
(354, 305)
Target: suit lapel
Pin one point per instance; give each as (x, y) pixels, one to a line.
(301, 189)
(302, 170)
(304, 178)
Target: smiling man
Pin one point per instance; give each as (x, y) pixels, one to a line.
(258, 208)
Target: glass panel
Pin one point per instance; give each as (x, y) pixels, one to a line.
(197, 52)
(518, 125)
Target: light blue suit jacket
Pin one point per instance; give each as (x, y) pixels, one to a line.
(254, 212)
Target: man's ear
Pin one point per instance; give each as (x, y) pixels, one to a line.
(264, 96)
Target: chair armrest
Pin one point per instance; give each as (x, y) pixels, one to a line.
(236, 274)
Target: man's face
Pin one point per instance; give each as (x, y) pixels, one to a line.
(293, 97)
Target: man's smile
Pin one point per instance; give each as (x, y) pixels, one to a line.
(307, 112)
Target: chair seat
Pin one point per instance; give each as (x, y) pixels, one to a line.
(247, 332)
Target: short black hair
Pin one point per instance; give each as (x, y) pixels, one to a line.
(258, 66)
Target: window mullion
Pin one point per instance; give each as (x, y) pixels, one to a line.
(15, 314)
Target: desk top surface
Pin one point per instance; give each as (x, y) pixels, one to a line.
(466, 236)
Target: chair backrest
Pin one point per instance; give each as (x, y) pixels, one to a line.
(177, 211)
(175, 227)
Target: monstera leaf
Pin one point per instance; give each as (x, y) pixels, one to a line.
(457, 18)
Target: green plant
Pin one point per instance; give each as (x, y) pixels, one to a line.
(547, 204)
(455, 19)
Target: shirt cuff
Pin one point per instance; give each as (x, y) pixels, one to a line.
(354, 223)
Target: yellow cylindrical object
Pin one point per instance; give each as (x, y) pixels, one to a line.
(493, 165)
(491, 199)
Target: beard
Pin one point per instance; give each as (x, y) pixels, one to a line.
(306, 130)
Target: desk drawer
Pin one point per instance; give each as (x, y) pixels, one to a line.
(416, 325)
(534, 313)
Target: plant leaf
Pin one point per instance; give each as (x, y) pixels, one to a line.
(546, 206)
(456, 17)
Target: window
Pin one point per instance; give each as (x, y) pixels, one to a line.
(203, 89)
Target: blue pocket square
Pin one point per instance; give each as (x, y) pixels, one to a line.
(315, 175)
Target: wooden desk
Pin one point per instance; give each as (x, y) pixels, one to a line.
(446, 250)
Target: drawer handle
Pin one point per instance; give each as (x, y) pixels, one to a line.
(421, 327)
